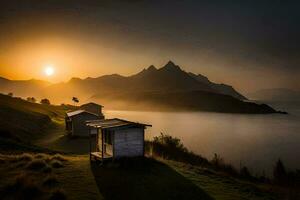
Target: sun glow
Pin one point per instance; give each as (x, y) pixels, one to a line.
(49, 70)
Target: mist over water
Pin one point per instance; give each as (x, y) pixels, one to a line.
(256, 141)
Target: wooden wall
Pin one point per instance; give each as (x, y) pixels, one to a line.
(79, 124)
(129, 142)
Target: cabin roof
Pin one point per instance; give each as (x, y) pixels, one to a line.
(91, 103)
(78, 112)
(113, 123)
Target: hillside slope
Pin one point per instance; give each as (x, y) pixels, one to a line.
(23, 88)
(179, 101)
(22, 121)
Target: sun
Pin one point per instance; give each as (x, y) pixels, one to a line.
(49, 70)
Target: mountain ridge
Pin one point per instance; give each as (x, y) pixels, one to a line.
(166, 88)
(170, 76)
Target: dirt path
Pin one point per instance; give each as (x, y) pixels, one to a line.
(56, 139)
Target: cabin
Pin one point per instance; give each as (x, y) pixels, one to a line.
(116, 138)
(93, 108)
(76, 122)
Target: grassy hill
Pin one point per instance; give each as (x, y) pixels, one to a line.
(43, 176)
(21, 122)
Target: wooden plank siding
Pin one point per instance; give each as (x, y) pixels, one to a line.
(79, 127)
(128, 142)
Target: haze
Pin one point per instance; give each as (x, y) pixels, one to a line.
(248, 45)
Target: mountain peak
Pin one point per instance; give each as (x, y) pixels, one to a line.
(146, 71)
(171, 65)
(151, 68)
(75, 79)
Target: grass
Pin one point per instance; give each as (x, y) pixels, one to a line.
(140, 178)
(222, 186)
(144, 178)
(56, 164)
(22, 122)
(72, 180)
(23, 187)
(37, 165)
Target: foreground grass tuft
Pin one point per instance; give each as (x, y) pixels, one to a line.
(37, 165)
(41, 156)
(56, 164)
(25, 157)
(22, 188)
(59, 158)
(31, 176)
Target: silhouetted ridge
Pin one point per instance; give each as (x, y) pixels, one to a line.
(75, 79)
(168, 87)
(3, 79)
(171, 66)
(151, 68)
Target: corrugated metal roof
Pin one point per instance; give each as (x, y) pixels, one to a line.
(77, 112)
(112, 123)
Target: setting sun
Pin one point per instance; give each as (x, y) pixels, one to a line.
(49, 71)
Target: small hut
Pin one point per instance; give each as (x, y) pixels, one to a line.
(93, 108)
(116, 138)
(76, 122)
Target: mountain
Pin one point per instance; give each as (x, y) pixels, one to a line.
(168, 78)
(23, 88)
(165, 88)
(179, 101)
(218, 88)
(276, 94)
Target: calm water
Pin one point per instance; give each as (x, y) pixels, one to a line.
(256, 141)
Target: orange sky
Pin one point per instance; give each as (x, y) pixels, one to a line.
(75, 58)
(101, 40)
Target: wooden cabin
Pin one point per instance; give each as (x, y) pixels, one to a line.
(116, 138)
(93, 108)
(76, 122)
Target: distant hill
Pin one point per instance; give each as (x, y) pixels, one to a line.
(165, 88)
(219, 88)
(23, 88)
(179, 101)
(169, 78)
(276, 94)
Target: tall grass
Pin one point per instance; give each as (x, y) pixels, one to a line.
(168, 147)
(29, 181)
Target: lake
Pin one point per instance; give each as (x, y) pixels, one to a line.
(256, 141)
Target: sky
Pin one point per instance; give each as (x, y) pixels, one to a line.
(251, 45)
